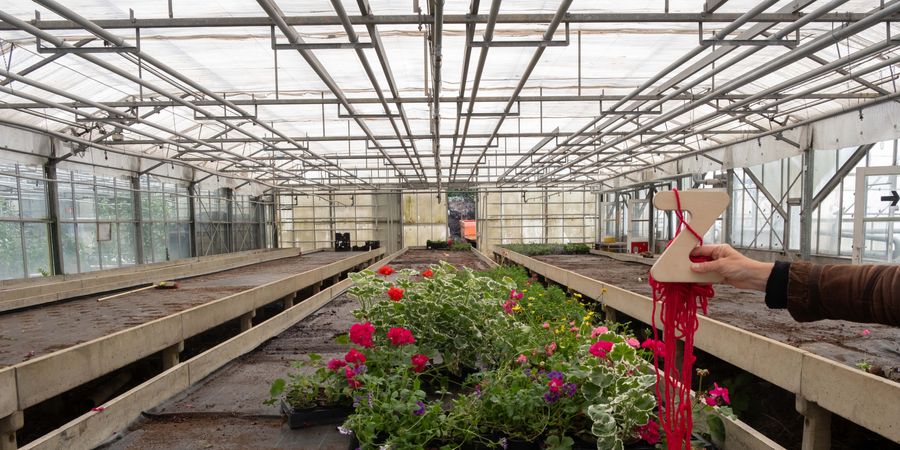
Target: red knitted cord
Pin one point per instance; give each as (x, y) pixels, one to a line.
(679, 303)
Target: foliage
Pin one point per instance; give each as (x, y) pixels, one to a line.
(451, 245)
(465, 357)
(549, 249)
(460, 247)
(313, 385)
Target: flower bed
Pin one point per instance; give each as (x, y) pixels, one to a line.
(450, 358)
(549, 249)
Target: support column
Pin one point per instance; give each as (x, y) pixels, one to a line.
(247, 320)
(806, 213)
(171, 356)
(56, 258)
(288, 301)
(316, 287)
(138, 220)
(816, 425)
(192, 216)
(8, 427)
(729, 212)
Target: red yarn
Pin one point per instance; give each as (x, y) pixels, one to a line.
(679, 303)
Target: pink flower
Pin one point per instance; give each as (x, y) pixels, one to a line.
(386, 270)
(522, 359)
(720, 392)
(649, 432)
(573, 329)
(355, 357)
(865, 332)
(508, 306)
(601, 348)
(400, 336)
(598, 331)
(545, 326)
(554, 384)
(361, 334)
(515, 295)
(711, 401)
(657, 347)
(551, 347)
(633, 342)
(336, 364)
(418, 361)
(395, 293)
(572, 323)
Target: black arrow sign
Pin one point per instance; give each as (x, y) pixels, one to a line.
(893, 198)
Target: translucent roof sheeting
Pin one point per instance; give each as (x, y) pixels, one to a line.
(619, 86)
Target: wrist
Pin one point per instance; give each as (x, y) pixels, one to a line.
(761, 273)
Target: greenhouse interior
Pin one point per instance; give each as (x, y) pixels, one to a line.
(448, 224)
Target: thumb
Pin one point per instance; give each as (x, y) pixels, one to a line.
(704, 267)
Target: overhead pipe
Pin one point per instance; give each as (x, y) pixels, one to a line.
(790, 57)
(437, 36)
(582, 134)
(107, 36)
(476, 83)
(548, 35)
(361, 55)
(277, 16)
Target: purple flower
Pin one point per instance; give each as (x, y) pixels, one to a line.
(360, 369)
(356, 400)
(421, 410)
(369, 398)
(555, 375)
(551, 397)
(503, 443)
(569, 389)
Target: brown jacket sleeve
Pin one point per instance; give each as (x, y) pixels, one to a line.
(859, 293)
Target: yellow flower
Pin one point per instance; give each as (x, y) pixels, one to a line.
(577, 295)
(524, 290)
(517, 308)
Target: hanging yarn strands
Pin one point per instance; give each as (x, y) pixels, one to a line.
(679, 303)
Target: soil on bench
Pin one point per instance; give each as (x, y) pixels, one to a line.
(834, 339)
(30, 333)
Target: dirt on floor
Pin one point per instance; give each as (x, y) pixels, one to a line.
(835, 339)
(29, 333)
(226, 409)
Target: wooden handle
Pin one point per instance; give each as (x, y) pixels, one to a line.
(704, 206)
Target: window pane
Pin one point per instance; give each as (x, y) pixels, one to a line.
(109, 249)
(34, 198)
(124, 204)
(126, 244)
(11, 260)
(88, 250)
(9, 197)
(37, 249)
(68, 242)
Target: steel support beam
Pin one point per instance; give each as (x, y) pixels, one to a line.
(858, 155)
(449, 19)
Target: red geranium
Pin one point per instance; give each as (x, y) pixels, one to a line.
(361, 334)
(649, 432)
(601, 348)
(418, 361)
(395, 293)
(400, 336)
(658, 347)
(427, 273)
(354, 356)
(336, 364)
(386, 270)
(349, 374)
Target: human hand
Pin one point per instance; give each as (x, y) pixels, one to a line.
(737, 269)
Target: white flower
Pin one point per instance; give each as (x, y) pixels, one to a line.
(344, 431)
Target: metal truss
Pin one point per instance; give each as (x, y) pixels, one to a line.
(662, 119)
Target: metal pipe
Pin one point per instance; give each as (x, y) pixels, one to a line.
(488, 36)
(758, 72)
(548, 35)
(107, 36)
(277, 16)
(361, 55)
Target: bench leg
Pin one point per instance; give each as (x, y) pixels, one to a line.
(816, 425)
(8, 427)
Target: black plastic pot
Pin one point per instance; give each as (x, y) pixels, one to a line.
(319, 415)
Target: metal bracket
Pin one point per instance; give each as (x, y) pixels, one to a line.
(495, 114)
(541, 43)
(107, 49)
(228, 117)
(790, 43)
(365, 115)
(319, 46)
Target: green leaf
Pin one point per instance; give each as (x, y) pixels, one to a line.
(315, 357)
(277, 387)
(716, 429)
(342, 339)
